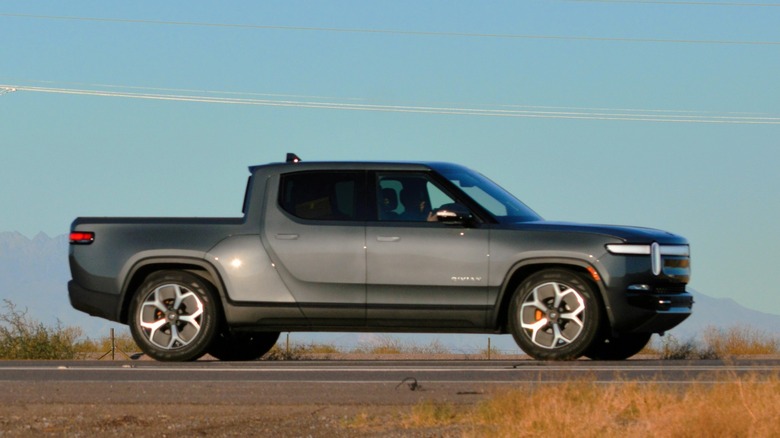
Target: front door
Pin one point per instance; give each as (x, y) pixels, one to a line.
(421, 272)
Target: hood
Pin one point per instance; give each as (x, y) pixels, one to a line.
(625, 233)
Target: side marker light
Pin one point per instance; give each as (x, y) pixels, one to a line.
(594, 273)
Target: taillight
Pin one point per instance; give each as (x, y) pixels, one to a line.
(82, 237)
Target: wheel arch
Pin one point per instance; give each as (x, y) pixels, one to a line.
(146, 267)
(524, 269)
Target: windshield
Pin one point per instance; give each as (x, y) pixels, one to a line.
(497, 201)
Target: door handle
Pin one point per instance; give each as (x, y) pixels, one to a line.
(287, 236)
(388, 238)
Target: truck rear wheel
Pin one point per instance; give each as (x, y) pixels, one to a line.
(554, 315)
(243, 346)
(173, 316)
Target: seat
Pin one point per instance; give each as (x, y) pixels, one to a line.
(388, 202)
(415, 206)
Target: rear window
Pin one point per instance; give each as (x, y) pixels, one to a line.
(326, 196)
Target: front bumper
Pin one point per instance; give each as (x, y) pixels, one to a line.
(653, 311)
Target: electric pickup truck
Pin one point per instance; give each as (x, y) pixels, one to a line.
(378, 247)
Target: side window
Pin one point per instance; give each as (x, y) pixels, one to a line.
(409, 197)
(327, 196)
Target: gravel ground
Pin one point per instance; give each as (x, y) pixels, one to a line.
(134, 420)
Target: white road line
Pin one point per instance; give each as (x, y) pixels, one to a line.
(421, 382)
(304, 369)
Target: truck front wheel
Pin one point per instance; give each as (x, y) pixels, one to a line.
(554, 315)
(173, 316)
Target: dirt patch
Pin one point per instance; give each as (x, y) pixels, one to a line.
(75, 420)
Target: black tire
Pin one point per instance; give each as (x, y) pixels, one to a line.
(547, 330)
(242, 346)
(174, 316)
(618, 348)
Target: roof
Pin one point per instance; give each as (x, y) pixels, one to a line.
(357, 165)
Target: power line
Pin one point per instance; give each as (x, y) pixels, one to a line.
(179, 90)
(355, 99)
(398, 32)
(681, 3)
(576, 114)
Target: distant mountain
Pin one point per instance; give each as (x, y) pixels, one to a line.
(724, 313)
(34, 275)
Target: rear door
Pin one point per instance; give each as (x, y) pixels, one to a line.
(315, 229)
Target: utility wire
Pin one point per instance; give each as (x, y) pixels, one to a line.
(681, 3)
(399, 32)
(178, 90)
(190, 91)
(669, 117)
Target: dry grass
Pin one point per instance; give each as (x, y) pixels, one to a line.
(391, 345)
(432, 414)
(746, 407)
(740, 341)
(716, 343)
(123, 342)
(296, 351)
(384, 345)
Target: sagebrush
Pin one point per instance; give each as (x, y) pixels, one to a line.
(22, 337)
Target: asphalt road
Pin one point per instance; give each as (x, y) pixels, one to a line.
(334, 382)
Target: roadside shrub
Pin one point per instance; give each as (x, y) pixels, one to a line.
(381, 345)
(429, 413)
(299, 351)
(740, 341)
(391, 345)
(22, 337)
(744, 406)
(124, 342)
(674, 349)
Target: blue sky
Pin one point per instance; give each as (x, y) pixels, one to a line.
(67, 155)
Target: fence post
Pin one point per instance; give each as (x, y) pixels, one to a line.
(488, 347)
(113, 349)
(287, 347)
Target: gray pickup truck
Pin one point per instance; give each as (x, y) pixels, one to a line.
(387, 247)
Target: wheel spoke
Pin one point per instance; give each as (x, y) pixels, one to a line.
(545, 292)
(175, 338)
(160, 338)
(573, 302)
(190, 302)
(537, 331)
(154, 326)
(536, 326)
(178, 297)
(171, 316)
(189, 331)
(572, 330)
(558, 339)
(553, 315)
(559, 295)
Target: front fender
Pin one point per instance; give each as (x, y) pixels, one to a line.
(589, 268)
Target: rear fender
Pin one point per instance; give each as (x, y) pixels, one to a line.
(141, 269)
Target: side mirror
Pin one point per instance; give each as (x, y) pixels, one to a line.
(453, 214)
